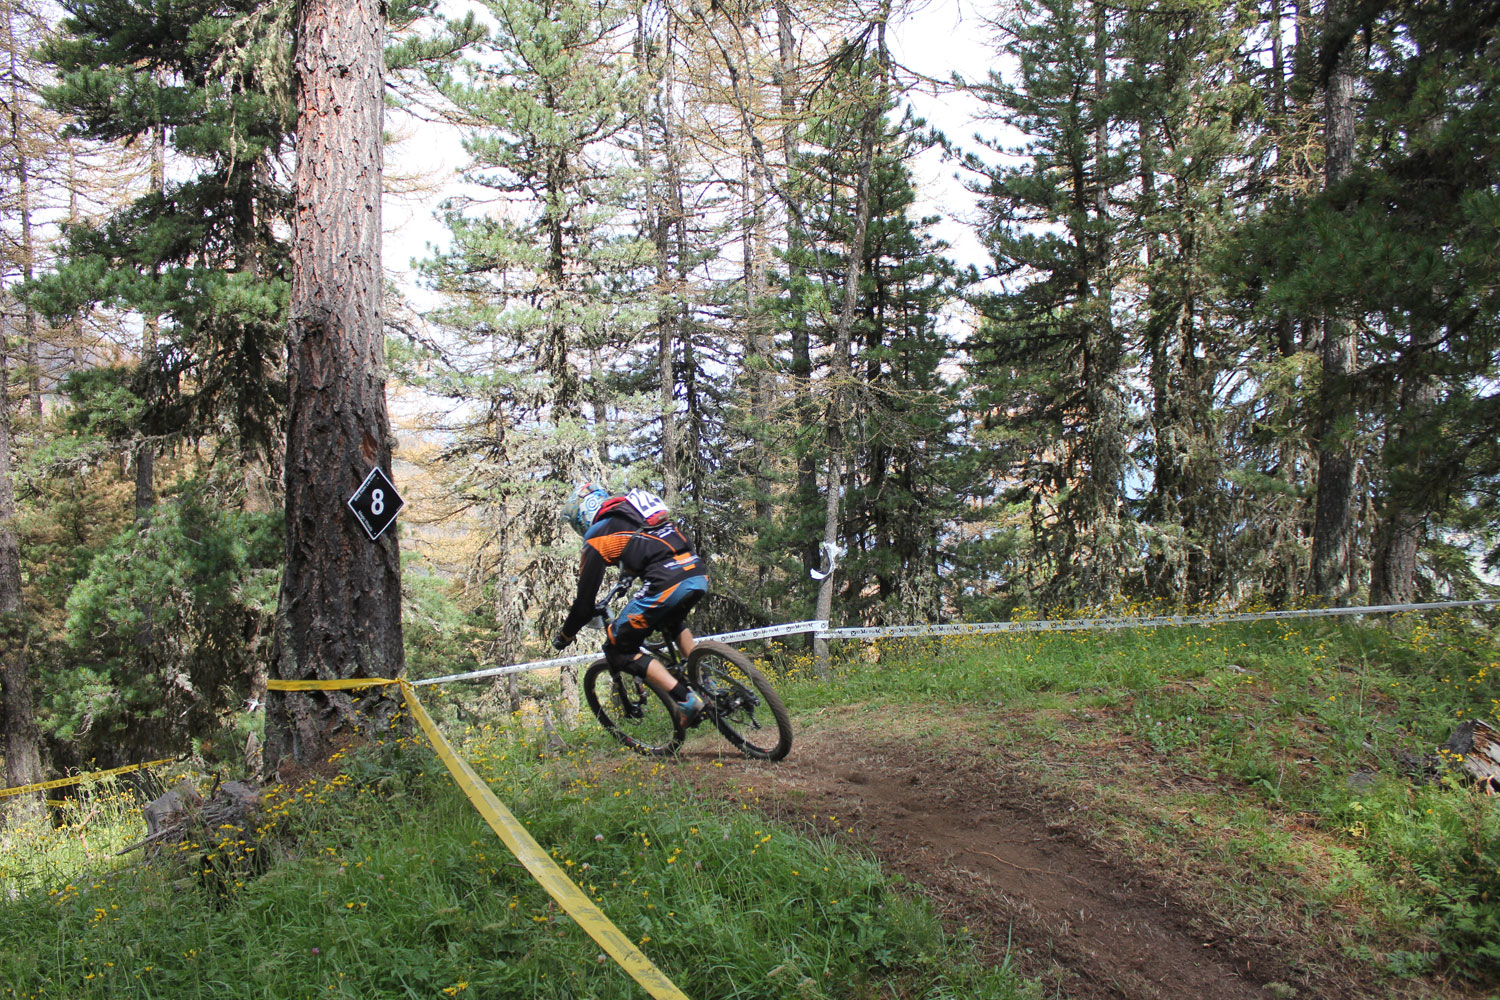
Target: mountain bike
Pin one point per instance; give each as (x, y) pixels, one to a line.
(737, 697)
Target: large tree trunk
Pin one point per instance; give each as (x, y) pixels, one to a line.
(838, 368)
(1097, 569)
(658, 226)
(145, 451)
(22, 749)
(22, 169)
(1166, 569)
(689, 433)
(23, 757)
(340, 608)
(1333, 519)
(1393, 563)
(566, 387)
(788, 82)
(758, 349)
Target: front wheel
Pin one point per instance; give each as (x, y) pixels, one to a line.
(632, 711)
(740, 701)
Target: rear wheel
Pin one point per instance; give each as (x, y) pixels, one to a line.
(632, 711)
(740, 701)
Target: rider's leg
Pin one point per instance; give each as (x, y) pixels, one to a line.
(646, 612)
(691, 590)
(658, 677)
(622, 649)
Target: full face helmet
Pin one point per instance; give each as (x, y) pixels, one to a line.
(581, 509)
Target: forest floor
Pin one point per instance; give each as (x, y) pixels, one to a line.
(1047, 869)
(1243, 811)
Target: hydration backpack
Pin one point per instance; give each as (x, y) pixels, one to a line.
(650, 506)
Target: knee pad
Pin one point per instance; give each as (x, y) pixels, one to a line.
(629, 661)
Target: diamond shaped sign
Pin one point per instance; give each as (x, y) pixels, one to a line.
(376, 503)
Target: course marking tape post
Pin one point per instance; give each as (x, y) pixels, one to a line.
(573, 900)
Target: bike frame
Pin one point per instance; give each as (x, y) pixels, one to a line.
(665, 651)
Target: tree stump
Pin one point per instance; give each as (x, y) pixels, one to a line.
(1475, 747)
(182, 813)
(170, 809)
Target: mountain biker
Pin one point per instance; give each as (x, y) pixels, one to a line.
(634, 532)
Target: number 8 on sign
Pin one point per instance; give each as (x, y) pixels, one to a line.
(376, 503)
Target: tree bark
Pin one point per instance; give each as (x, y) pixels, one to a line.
(23, 756)
(1393, 563)
(1098, 569)
(22, 748)
(22, 170)
(145, 452)
(689, 431)
(657, 225)
(839, 364)
(758, 348)
(1333, 519)
(340, 607)
(801, 346)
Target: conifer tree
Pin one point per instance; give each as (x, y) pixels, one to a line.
(1390, 251)
(1185, 92)
(1333, 541)
(339, 611)
(202, 259)
(1433, 174)
(1048, 355)
(898, 491)
(19, 142)
(545, 281)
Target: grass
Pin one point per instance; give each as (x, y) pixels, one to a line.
(1287, 766)
(381, 881)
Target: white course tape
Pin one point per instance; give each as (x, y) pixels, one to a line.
(821, 630)
(514, 668)
(745, 635)
(770, 631)
(1104, 624)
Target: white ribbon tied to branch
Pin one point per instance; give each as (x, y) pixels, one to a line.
(831, 555)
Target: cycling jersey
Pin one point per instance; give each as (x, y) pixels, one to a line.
(659, 555)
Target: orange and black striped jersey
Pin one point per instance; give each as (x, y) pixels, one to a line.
(659, 555)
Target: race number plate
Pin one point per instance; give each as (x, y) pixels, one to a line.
(376, 503)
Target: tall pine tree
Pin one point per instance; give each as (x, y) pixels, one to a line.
(1048, 357)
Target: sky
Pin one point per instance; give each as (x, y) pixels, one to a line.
(934, 39)
(938, 39)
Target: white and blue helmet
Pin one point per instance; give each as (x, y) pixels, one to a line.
(581, 509)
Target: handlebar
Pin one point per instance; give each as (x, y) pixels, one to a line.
(601, 609)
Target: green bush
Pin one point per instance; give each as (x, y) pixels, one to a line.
(164, 631)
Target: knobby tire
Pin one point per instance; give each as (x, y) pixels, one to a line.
(741, 701)
(656, 733)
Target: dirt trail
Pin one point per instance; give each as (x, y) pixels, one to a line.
(995, 855)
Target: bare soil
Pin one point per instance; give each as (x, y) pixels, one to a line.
(1025, 872)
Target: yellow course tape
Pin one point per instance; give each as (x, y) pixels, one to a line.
(75, 779)
(340, 685)
(350, 684)
(574, 901)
